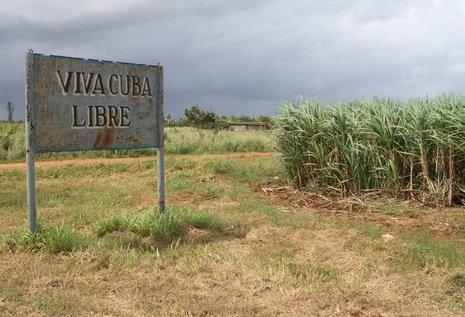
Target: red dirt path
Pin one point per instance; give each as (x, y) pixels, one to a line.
(127, 160)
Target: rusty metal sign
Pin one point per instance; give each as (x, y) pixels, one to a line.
(80, 104)
(84, 104)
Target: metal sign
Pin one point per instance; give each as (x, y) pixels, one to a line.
(88, 104)
(78, 104)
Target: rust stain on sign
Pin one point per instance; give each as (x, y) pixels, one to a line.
(104, 138)
(87, 104)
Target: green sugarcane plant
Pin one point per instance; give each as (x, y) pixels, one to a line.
(412, 149)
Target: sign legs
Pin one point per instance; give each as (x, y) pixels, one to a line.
(30, 153)
(161, 179)
(31, 190)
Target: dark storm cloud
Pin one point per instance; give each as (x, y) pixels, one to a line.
(236, 57)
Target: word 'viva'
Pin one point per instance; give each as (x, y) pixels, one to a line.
(92, 84)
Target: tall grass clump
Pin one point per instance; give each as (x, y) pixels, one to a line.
(168, 227)
(406, 149)
(56, 239)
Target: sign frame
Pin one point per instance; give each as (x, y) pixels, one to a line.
(143, 107)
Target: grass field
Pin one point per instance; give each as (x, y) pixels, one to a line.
(235, 241)
(177, 141)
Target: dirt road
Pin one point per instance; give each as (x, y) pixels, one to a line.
(127, 160)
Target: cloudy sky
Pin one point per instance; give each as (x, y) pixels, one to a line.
(248, 56)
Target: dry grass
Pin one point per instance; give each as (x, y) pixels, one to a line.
(308, 262)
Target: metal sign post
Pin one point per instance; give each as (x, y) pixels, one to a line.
(161, 179)
(74, 104)
(30, 154)
(161, 149)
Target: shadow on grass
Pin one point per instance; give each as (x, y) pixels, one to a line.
(191, 236)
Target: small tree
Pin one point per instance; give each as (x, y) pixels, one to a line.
(11, 108)
(200, 119)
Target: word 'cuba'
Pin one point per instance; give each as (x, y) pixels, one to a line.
(92, 84)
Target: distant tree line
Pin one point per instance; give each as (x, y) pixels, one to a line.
(201, 119)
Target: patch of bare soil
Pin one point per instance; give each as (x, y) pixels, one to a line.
(128, 160)
(444, 222)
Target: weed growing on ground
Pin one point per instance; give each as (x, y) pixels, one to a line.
(169, 227)
(304, 271)
(55, 239)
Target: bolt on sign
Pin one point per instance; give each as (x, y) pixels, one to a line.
(82, 104)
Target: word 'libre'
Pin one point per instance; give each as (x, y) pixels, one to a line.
(91, 84)
(100, 116)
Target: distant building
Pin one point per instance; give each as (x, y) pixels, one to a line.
(248, 126)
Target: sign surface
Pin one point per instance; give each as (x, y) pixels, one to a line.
(93, 105)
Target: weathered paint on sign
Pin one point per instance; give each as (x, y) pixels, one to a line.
(92, 105)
